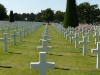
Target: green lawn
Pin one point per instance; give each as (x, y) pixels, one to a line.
(68, 60)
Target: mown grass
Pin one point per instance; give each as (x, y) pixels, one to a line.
(68, 60)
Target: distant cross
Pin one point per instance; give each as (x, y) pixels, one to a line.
(76, 40)
(24, 32)
(2, 31)
(71, 35)
(84, 42)
(42, 65)
(98, 54)
(27, 31)
(78, 31)
(8, 28)
(14, 36)
(63, 30)
(5, 39)
(88, 34)
(45, 37)
(83, 31)
(66, 33)
(45, 33)
(20, 35)
(44, 46)
(96, 37)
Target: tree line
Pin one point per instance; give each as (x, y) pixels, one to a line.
(87, 13)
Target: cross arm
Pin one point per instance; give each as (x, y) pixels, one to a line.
(94, 50)
(80, 42)
(35, 65)
(1, 39)
(51, 64)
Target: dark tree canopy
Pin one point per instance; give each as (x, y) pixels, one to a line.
(38, 17)
(47, 15)
(59, 16)
(11, 16)
(88, 13)
(71, 18)
(3, 12)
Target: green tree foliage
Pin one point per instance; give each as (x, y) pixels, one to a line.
(88, 13)
(11, 16)
(59, 16)
(47, 15)
(24, 16)
(38, 17)
(3, 12)
(71, 18)
(18, 17)
(31, 17)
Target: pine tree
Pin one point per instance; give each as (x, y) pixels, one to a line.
(11, 16)
(70, 17)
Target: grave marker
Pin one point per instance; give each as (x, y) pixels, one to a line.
(88, 34)
(42, 65)
(44, 46)
(96, 37)
(5, 39)
(84, 42)
(2, 31)
(98, 54)
(20, 35)
(8, 28)
(71, 35)
(83, 31)
(45, 37)
(14, 36)
(76, 40)
(24, 32)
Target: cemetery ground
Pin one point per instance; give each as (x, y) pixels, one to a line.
(68, 59)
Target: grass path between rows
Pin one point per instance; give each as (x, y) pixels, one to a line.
(68, 60)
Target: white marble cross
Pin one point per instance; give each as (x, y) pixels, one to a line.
(62, 30)
(14, 36)
(42, 65)
(71, 35)
(66, 33)
(78, 31)
(84, 42)
(24, 32)
(45, 37)
(8, 28)
(5, 39)
(88, 34)
(98, 54)
(83, 31)
(45, 33)
(2, 31)
(96, 37)
(44, 46)
(20, 35)
(27, 31)
(76, 40)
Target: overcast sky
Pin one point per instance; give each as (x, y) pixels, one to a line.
(35, 6)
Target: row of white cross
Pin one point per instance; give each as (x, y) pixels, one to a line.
(65, 33)
(15, 34)
(42, 65)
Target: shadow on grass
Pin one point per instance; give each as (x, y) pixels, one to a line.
(14, 53)
(55, 54)
(5, 66)
(61, 68)
(80, 48)
(91, 56)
